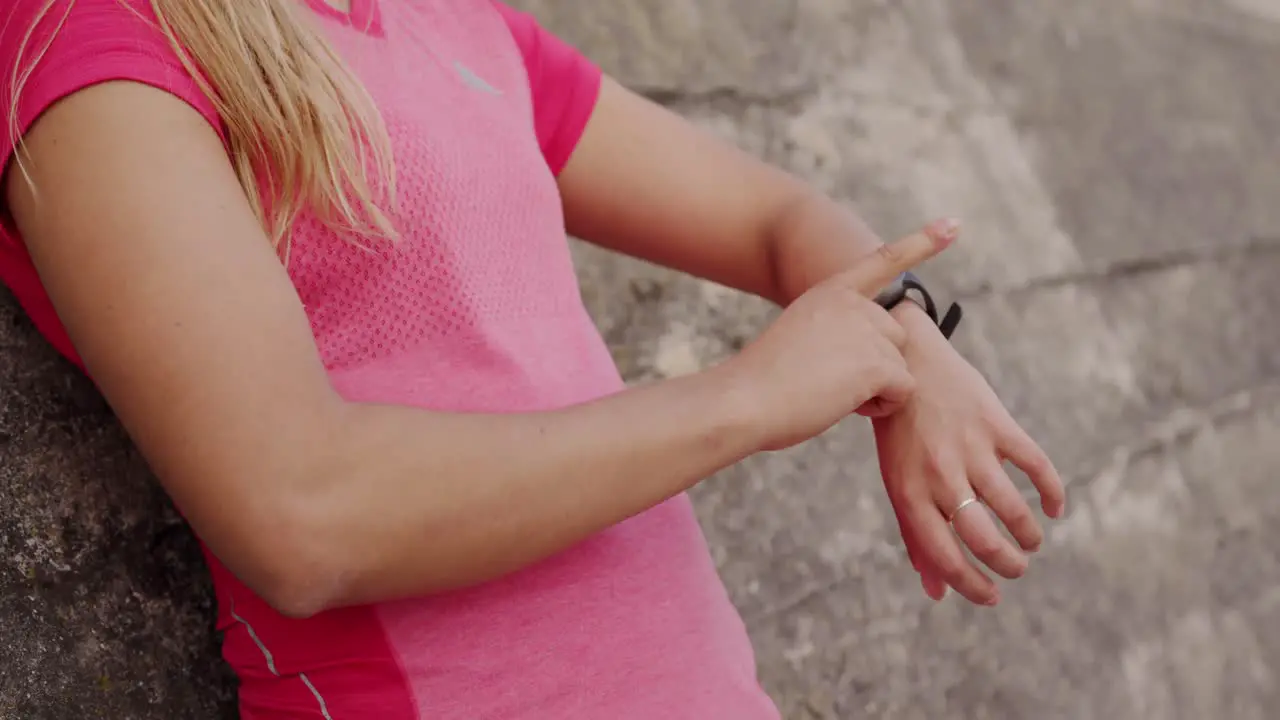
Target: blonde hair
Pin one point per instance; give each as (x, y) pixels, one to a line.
(300, 127)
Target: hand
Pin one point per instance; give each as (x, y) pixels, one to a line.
(834, 349)
(947, 445)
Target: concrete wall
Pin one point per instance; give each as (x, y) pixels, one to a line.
(1114, 165)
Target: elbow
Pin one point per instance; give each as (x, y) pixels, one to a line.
(280, 521)
(296, 585)
(295, 569)
(303, 560)
(297, 598)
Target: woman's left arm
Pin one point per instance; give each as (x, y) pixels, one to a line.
(645, 182)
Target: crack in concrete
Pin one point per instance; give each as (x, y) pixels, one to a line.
(1240, 20)
(1101, 500)
(1128, 268)
(1181, 426)
(795, 600)
(730, 95)
(948, 112)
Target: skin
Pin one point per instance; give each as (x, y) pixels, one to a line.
(646, 183)
(188, 323)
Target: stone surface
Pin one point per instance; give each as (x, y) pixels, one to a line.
(1112, 164)
(105, 608)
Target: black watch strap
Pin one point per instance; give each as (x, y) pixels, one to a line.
(902, 288)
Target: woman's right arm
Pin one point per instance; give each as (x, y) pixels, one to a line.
(188, 323)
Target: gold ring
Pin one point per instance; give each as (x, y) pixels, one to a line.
(960, 507)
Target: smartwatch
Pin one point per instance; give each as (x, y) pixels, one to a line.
(907, 285)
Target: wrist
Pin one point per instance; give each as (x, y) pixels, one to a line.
(924, 339)
(913, 318)
(737, 407)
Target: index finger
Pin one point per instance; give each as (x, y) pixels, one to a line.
(1023, 452)
(873, 272)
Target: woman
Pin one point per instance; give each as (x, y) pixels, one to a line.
(313, 254)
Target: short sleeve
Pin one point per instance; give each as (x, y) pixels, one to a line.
(74, 44)
(564, 85)
(56, 51)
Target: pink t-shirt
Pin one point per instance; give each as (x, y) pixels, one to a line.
(477, 309)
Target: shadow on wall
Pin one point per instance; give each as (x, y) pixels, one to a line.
(106, 610)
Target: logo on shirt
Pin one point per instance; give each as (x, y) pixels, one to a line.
(475, 81)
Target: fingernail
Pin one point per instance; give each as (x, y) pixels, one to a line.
(943, 231)
(993, 600)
